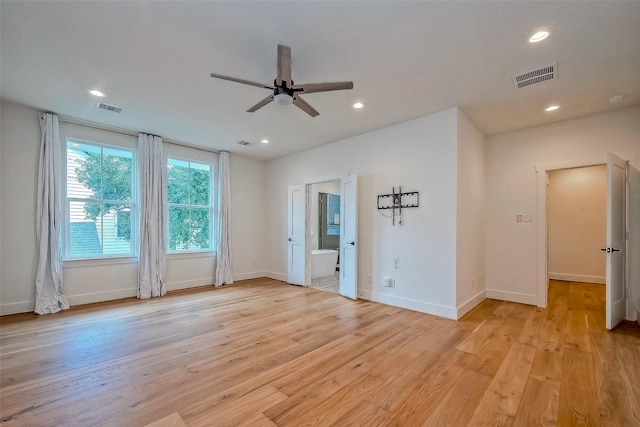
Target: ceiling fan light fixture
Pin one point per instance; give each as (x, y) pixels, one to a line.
(283, 99)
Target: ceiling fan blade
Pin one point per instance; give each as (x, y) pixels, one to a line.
(284, 65)
(302, 104)
(323, 87)
(244, 82)
(261, 104)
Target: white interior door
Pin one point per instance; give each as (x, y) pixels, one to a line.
(296, 254)
(349, 236)
(616, 240)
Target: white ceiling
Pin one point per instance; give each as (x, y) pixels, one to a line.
(406, 59)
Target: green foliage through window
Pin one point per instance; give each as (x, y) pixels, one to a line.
(189, 200)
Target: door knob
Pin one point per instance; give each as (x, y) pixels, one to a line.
(605, 250)
(290, 239)
(615, 250)
(352, 243)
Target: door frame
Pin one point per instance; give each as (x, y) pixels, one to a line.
(542, 179)
(308, 183)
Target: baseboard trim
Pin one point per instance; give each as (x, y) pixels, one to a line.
(471, 304)
(101, 296)
(17, 307)
(409, 304)
(250, 275)
(512, 297)
(275, 276)
(187, 284)
(578, 278)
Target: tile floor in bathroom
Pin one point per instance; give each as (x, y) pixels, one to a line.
(327, 283)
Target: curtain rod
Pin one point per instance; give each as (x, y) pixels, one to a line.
(94, 125)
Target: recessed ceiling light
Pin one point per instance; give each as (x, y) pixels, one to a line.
(265, 141)
(96, 92)
(358, 105)
(538, 37)
(616, 98)
(551, 108)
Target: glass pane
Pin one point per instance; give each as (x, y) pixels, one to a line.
(177, 182)
(84, 240)
(84, 171)
(117, 175)
(200, 185)
(178, 229)
(94, 230)
(200, 228)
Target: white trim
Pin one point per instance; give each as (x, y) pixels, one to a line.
(101, 296)
(17, 307)
(409, 304)
(188, 284)
(578, 278)
(470, 304)
(542, 172)
(276, 276)
(249, 275)
(512, 296)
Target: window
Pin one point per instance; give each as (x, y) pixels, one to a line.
(100, 200)
(189, 185)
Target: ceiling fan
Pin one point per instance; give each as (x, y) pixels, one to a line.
(284, 90)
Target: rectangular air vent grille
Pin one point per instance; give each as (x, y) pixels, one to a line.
(246, 143)
(109, 107)
(536, 76)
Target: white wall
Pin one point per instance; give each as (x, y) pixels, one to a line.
(100, 280)
(470, 241)
(419, 155)
(577, 223)
(511, 188)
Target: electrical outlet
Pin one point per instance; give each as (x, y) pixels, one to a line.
(388, 282)
(528, 218)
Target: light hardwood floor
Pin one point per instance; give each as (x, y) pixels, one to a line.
(263, 353)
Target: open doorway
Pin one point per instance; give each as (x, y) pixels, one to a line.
(324, 234)
(576, 230)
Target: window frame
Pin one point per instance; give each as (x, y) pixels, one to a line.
(134, 208)
(212, 207)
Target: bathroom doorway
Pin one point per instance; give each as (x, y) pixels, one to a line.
(324, 248)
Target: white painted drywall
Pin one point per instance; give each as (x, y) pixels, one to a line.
(419, 155)
(511, 188)
(470, 241)
(100, 280)
(577, 224)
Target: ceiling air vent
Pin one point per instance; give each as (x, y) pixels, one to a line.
(246, 143)
(539, 75)
(109, 107)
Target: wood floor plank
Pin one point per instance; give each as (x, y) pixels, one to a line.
(500, 403)
(578, 403)
(457, 407)
(538, 411)
(263, 353)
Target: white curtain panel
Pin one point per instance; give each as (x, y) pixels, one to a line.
(224, 274)
(152, 262)
(50, 297)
